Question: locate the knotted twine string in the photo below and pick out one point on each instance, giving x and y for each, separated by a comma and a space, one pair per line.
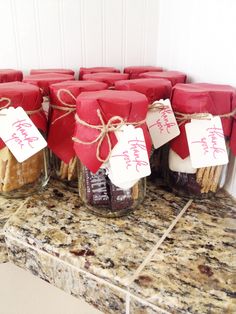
157, 106
182, 117
67, 107
29, 112
104, 129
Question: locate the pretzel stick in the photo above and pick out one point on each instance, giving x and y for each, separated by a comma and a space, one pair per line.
199, 175
210, 178
205, 179
72, 169
216, 178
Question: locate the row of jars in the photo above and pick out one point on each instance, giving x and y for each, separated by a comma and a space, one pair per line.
76, 163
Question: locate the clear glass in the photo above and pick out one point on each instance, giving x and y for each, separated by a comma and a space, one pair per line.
18, 180
193, 183
66, 173
105, 199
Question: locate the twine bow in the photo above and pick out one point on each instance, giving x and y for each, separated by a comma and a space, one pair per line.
104, 129
67, 107
157, 106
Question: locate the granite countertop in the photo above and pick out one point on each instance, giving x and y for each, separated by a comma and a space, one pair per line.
103, 260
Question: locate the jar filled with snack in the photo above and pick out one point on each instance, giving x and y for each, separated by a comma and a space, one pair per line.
61, 128
173, 76
84, 70
155, 90
43, 81
135, 71
9, 75
20, 179
209, 108
108, 78
113, 145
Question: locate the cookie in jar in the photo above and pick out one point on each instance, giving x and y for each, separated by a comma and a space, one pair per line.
20, 179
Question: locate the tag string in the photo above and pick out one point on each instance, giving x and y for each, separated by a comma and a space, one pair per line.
67, 107
29, 112
104, 130
157, 106
182, 117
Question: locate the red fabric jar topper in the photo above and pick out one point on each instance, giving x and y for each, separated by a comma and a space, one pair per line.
201, 98
173, 76
60, 71
153, 89
18, 94
43, 81
108, 78
134, 71
96, 70
10, 75
62, 121
127, 105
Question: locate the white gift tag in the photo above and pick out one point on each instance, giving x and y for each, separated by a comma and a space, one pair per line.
129, 159
206, 143
20, 134
162, 124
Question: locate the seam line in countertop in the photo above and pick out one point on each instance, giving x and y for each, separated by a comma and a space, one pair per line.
130, 280
98, 279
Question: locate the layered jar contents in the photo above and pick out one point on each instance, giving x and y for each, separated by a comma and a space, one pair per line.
19, 179
112, 167
194, 102
61, 128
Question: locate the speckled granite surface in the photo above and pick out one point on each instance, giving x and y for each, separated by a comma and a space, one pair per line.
7, 208
193, 271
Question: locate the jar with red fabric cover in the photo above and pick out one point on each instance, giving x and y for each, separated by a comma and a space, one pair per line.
43, 81
61, 128
190, 101
154, 90
108, 78
92, 70
99, 115
174, 77
46, 71
9, 75
135, 71
20, 179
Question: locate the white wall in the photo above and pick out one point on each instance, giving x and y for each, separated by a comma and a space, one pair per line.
72, 33
199, 37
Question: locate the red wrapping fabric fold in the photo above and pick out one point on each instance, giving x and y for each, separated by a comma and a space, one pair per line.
232, 143
134, 71
129, 105
197, 98
60, 71
108, 78
173, 76
61, 132
26, 96
153, 89
43, 81
83, 71
8, 75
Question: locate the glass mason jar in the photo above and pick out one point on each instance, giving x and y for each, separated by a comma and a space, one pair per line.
186, 181
21, 179
105, 199
66, 173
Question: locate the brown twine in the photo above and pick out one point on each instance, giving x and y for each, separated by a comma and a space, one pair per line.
201, 116
67, 107
29, 112
104, 129
157, 106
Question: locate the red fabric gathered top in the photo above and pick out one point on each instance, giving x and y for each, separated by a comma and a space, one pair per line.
134, 71
60, 71
8, 75
173, 76
130, 106
200, 98
27, 96
108, 78
43, 81
153, 89
96, 70
62, 122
